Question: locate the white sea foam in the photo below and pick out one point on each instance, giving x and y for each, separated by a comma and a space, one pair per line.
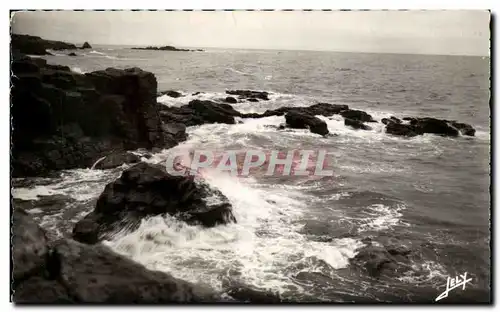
259, 248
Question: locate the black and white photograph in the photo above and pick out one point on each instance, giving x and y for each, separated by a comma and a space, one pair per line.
251, 156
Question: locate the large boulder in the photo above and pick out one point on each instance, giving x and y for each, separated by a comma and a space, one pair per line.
146, 190
465, 129
402, 129
417, 126
299, 120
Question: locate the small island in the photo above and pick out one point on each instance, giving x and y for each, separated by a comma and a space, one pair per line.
166, 48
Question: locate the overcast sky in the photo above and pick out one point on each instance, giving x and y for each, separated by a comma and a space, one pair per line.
428, 32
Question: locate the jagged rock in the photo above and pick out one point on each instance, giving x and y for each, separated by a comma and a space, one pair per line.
356, 124
72, 54
304, 121
176, 131
148, 190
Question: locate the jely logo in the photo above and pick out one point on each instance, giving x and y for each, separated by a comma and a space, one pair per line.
453, 283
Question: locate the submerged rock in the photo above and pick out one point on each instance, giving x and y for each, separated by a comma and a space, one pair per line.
146, 190
379, 261
298, 120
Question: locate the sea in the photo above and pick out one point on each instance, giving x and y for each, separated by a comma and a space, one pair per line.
298, 237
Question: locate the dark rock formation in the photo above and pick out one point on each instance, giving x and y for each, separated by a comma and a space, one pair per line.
33, 45
70, 272
62, 119
321, 109
261, 95
230, 100
165, 48
299, 120
117, 159
175, 132
357, 115
199, 112
171, 93
356, 124
436, 126
395, 119
148, 190
72, 54
86, 45
379, 261
252, 100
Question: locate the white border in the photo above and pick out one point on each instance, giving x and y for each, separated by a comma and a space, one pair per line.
189, 4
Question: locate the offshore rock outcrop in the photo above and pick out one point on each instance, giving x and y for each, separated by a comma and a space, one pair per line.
166, 48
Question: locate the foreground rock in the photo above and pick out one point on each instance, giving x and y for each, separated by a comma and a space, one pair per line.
34, 45
166, 48
146, 190
63, 119
71, 272
298, 120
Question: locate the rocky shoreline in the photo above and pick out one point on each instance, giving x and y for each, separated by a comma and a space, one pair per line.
64, 120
